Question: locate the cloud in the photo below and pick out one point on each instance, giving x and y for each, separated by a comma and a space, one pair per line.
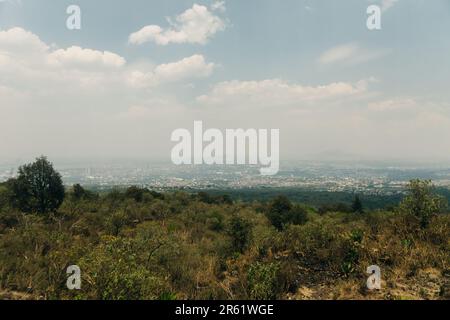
79, 101
219, 6
350, 53
387, 4
21, 42
78, 57
196, 25
275, 92
27, 62
188, 68
391, 105
193, 66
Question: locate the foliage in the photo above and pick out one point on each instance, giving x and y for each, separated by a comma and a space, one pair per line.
38, 188
136, 243
282, 212
357, 205
422, 203
262, 281
240, 232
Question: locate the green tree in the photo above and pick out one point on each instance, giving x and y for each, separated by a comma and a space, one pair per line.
240, 232
37, 188
278, 210
282, 212
78, 192
357, 205
4, 195
422, 202
297, 215
135, 193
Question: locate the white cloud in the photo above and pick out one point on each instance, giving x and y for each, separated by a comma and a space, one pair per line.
391, 105
78, 101
219, 6
21, 42
188, 68
78, 57
27, 62
387, 4
194, 66
339, 53
196, 25
350, 53
275, 92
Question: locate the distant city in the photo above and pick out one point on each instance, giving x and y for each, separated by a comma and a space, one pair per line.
374, 179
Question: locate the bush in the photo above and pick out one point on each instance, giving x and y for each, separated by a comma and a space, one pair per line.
117, 271
216, 221
297, 216
240, 232
135, 193
422, 202
262, 281
116, 222
282, 212
79, 193
338, 207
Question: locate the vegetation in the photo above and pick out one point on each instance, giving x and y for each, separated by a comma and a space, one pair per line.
357, 206
141, 244
38, 188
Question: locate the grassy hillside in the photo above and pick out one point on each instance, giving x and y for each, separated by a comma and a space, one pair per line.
137, 244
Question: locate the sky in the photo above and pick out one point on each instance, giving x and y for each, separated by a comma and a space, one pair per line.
137, 70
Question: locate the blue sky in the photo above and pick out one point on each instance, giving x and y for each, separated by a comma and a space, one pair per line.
309, 68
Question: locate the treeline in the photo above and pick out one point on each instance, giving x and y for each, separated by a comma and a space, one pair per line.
316, 198
141, 244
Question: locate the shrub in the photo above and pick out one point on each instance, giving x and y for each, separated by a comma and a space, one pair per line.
350, 251
422, 202
117, 271
116, 222
282, 212
240, 232
262, 281
135, 193
215, 221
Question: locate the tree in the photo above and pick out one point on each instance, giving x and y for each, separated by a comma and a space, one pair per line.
205, 198
297, 216
240, 232
282, 212
336, 207
422, 202
278, 209
80, 193
4, 195
135, 193
37, 188
357, 206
